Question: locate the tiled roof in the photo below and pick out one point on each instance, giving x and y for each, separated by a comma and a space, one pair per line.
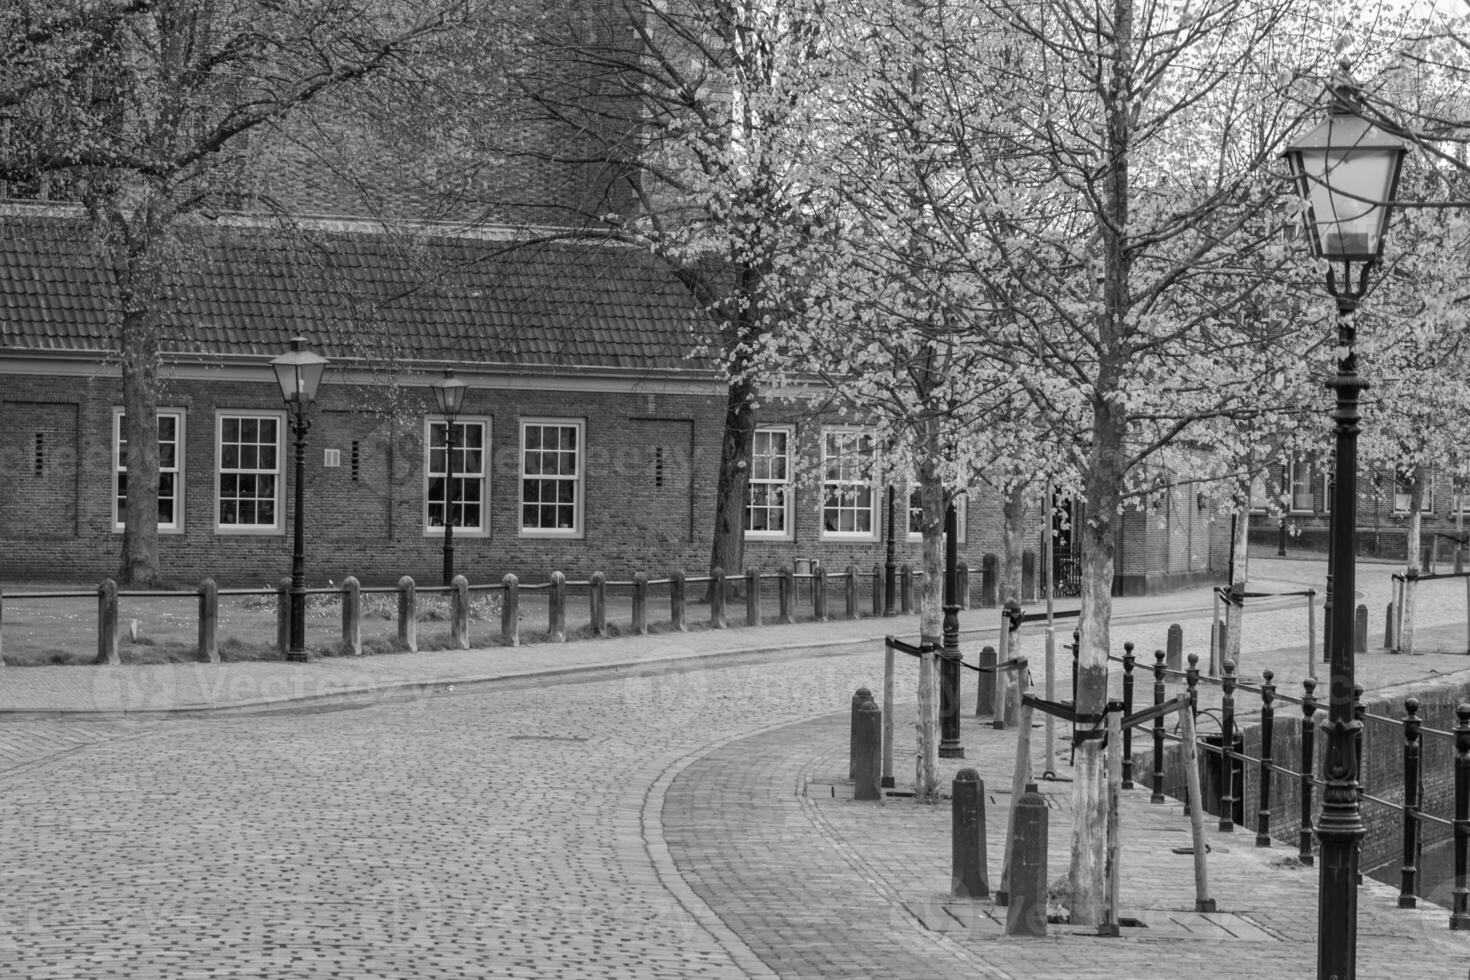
359, 295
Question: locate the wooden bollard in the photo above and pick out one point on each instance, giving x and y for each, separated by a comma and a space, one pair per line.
283, 616
1174, 648
878, 585
850, 591
408, 615
351, 617
752, 596
859, 696
906, 588
869, 739
786, 594
678, 606
459, 612
1389, 640
1026, 898
107, 623
989, 580
597, 603
556, 611
209, 621
985, 694
819, 593
640, 603
717, 598
510, 611
1360, 629
962, 584
968, 873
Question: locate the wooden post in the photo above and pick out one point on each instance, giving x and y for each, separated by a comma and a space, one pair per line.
677, 606
1202, 900
962, 584
351, 617
1002, 679
408, 615
556, 612
1020, 776
850, 591
459, 612
877, 590
597, 603
887, 717
209, 621
786, 594
1110, 925
717, 598
819, 593
510, 611
906, 588
640, 603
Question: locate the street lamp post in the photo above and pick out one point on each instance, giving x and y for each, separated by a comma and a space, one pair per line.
1346, 170
299, 373
449, 394
949, 656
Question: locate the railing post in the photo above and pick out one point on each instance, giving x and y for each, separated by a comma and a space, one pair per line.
408, 615
1191, 683
819, 593
786, 593
351, 617
510, 611
640, 603
1460, 899
283, 616
1159, 668
752, 596
1128, 663
906, 588
1227, 748
209, 621
850, 591
717, 598
678, 608
556, 611
1309, 755
459, 612
1268, 735
107, 623
1409, 878
597, 603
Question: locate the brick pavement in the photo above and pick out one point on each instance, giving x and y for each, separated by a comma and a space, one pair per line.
707, 839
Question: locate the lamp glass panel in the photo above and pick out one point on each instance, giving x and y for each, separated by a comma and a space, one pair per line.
1347, 191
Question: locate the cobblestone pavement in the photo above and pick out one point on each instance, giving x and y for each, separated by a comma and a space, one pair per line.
658, 817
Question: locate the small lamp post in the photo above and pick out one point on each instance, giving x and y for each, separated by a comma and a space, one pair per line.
1346, 170
449, 393
299, 373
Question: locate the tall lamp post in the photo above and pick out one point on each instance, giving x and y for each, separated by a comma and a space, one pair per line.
949, 654
1346, 171
299, 373
449, 393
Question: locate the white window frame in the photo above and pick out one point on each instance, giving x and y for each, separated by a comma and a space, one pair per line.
830, 486
482, 477
578, 479
1299, 485
176, 526
283, 447
784, 486
916, 533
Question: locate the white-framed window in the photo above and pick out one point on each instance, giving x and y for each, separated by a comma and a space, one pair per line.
551, 477
768, 507
916, 515
1402, 497
170, 469
469, 475
1260, 501
849, 499
1299, 485
249, 467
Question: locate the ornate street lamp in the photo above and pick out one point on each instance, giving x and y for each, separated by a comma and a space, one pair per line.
449, 394
299, 373
949, 654
1347, 171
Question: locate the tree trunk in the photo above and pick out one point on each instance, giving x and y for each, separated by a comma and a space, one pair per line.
727, 550
1413, 544
139, 565
931, 618
1239, 576
1013, 512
